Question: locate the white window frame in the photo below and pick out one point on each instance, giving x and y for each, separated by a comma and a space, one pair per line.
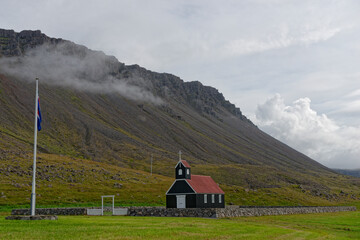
180, 171
187, 171
212, 198
219, 198
205, 198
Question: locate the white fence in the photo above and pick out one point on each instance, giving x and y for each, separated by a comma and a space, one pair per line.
120, 211
95, 212
99, 211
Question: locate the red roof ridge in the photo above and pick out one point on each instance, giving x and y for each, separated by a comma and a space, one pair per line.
185, 163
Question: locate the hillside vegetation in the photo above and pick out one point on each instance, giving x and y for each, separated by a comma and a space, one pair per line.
102, 120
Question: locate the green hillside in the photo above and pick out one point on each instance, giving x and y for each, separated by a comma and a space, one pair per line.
69, 181
96, 140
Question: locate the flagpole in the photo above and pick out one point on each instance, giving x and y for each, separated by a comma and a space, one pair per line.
33, 195
151, 165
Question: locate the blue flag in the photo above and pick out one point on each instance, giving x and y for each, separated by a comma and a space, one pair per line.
39, 116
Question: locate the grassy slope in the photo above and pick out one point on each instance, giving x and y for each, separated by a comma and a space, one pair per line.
92, 136
69, 181
344, 225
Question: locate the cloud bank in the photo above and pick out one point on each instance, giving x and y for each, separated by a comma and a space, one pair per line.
68, 65
321, 138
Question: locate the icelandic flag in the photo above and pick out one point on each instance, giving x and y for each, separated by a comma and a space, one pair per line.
39, 115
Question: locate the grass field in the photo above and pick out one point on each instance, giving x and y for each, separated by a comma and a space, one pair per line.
345, 225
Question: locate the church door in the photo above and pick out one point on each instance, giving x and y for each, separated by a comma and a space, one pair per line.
180, 201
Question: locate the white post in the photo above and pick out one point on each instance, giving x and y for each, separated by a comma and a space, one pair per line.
151, 161
102, 205
113, 210
33, 195
180, 155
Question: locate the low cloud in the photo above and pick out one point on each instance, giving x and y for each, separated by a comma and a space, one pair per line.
321, 138
68, 65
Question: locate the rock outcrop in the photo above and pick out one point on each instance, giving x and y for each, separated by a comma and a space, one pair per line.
15, 44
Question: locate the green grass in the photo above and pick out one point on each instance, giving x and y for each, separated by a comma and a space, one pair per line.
344, 225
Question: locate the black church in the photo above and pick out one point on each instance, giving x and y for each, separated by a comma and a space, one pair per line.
193, 191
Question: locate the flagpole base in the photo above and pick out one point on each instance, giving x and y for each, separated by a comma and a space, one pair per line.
32, 204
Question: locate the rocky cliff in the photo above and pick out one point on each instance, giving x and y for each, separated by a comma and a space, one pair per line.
15, 44
205, 99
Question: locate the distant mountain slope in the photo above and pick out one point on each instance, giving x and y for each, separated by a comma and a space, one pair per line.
350, 172
97, 108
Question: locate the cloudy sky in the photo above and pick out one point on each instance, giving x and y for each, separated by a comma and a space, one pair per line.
291, 66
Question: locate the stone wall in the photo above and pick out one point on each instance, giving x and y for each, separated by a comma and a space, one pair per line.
228, 211
172, 212
231, 211
51, 211
236, 211
58, 211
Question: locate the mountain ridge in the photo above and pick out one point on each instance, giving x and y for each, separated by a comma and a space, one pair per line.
18, 43
203, 99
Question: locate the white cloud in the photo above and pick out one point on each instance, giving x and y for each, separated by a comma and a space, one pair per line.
282, 39
307, 131
355, 93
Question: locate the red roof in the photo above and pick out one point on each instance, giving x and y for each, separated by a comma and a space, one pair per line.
185, 163
204, 184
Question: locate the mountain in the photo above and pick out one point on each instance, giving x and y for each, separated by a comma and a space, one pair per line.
350, 172
98, 109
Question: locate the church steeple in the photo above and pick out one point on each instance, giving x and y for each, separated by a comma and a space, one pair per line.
182, 169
